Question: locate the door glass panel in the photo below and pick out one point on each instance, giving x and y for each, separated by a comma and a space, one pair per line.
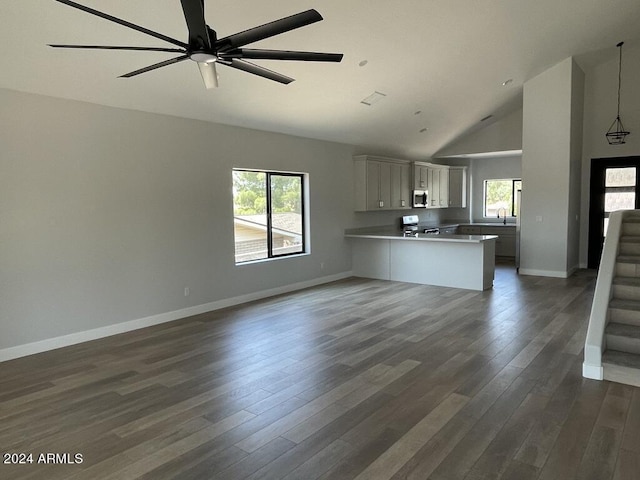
620, 177
619, 201
619, 191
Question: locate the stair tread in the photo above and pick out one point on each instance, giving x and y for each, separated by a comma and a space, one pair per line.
622, 330
628, 259
621, 304
630, 281
623, 359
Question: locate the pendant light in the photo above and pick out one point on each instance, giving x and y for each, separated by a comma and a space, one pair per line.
616, 133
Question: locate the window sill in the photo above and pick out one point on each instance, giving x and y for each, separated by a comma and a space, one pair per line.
265, 260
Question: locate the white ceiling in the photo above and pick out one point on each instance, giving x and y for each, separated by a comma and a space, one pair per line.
444, 58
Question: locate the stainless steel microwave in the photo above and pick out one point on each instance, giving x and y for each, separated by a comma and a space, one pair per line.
420, 199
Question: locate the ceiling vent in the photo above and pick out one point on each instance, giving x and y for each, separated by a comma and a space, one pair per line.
375, 97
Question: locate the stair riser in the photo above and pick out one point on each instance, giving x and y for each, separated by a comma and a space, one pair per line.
629, 249
628, 317
619, 374
631, 228
626, 292
623, 344
627, 270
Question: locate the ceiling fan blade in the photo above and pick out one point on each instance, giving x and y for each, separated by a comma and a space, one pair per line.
113, 47
209, 74
198, 31
268, 30
123, 23
282, 55
257, 70
154, 66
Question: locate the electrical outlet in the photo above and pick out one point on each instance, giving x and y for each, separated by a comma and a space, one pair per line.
186, 291
321, 265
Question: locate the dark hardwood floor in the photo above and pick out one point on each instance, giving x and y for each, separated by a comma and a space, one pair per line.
357, 379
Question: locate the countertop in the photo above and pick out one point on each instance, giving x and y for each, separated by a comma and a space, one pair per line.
476, 224
424, 237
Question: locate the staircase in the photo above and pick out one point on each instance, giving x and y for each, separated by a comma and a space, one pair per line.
621, 357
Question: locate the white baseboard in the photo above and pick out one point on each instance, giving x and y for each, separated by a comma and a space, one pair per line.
545, 273
594, 372
109, 330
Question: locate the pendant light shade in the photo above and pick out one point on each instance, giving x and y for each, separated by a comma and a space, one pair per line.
616, 133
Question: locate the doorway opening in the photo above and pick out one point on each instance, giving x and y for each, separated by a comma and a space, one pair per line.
614, 186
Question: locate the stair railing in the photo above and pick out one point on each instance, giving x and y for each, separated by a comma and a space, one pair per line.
594, 343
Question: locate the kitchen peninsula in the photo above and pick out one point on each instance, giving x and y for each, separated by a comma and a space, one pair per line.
449, 260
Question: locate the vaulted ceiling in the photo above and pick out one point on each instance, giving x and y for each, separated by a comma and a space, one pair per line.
440, 63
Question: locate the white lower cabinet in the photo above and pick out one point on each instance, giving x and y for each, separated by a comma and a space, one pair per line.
506, 241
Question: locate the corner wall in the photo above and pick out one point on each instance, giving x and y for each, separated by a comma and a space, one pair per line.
549, 173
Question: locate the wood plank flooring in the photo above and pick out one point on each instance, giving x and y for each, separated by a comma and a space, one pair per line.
358, 379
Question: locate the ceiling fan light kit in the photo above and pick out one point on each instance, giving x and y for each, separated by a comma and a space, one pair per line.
617, 133
207, 50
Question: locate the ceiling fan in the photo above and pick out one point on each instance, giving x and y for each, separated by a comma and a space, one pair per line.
206, 49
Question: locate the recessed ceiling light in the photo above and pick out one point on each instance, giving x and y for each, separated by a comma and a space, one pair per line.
363, 63
375, 97
422, 130
507, 82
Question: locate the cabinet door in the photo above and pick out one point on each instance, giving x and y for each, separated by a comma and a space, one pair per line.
444, 187
433, 195
373, 185
420, 177
405, 186
457, 187
400, 186
378, 185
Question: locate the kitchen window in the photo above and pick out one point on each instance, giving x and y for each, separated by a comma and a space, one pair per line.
500, 197
268, 214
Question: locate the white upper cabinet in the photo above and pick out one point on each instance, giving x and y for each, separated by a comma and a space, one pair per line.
381, 183
400, 183
435, 180
458, 187
420, 177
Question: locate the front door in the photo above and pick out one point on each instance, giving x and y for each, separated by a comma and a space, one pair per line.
614, 183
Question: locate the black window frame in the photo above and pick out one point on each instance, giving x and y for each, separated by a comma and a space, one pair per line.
513, 194
269, 213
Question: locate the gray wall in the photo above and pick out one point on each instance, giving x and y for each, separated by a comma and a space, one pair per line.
501, 135
487, 169
601, 84
106, 215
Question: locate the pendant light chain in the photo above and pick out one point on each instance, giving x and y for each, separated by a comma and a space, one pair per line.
616, 133
619, 75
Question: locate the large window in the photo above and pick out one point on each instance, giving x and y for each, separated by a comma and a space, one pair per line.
500, 197
268, 214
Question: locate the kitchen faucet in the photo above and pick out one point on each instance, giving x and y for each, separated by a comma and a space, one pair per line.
504, 216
